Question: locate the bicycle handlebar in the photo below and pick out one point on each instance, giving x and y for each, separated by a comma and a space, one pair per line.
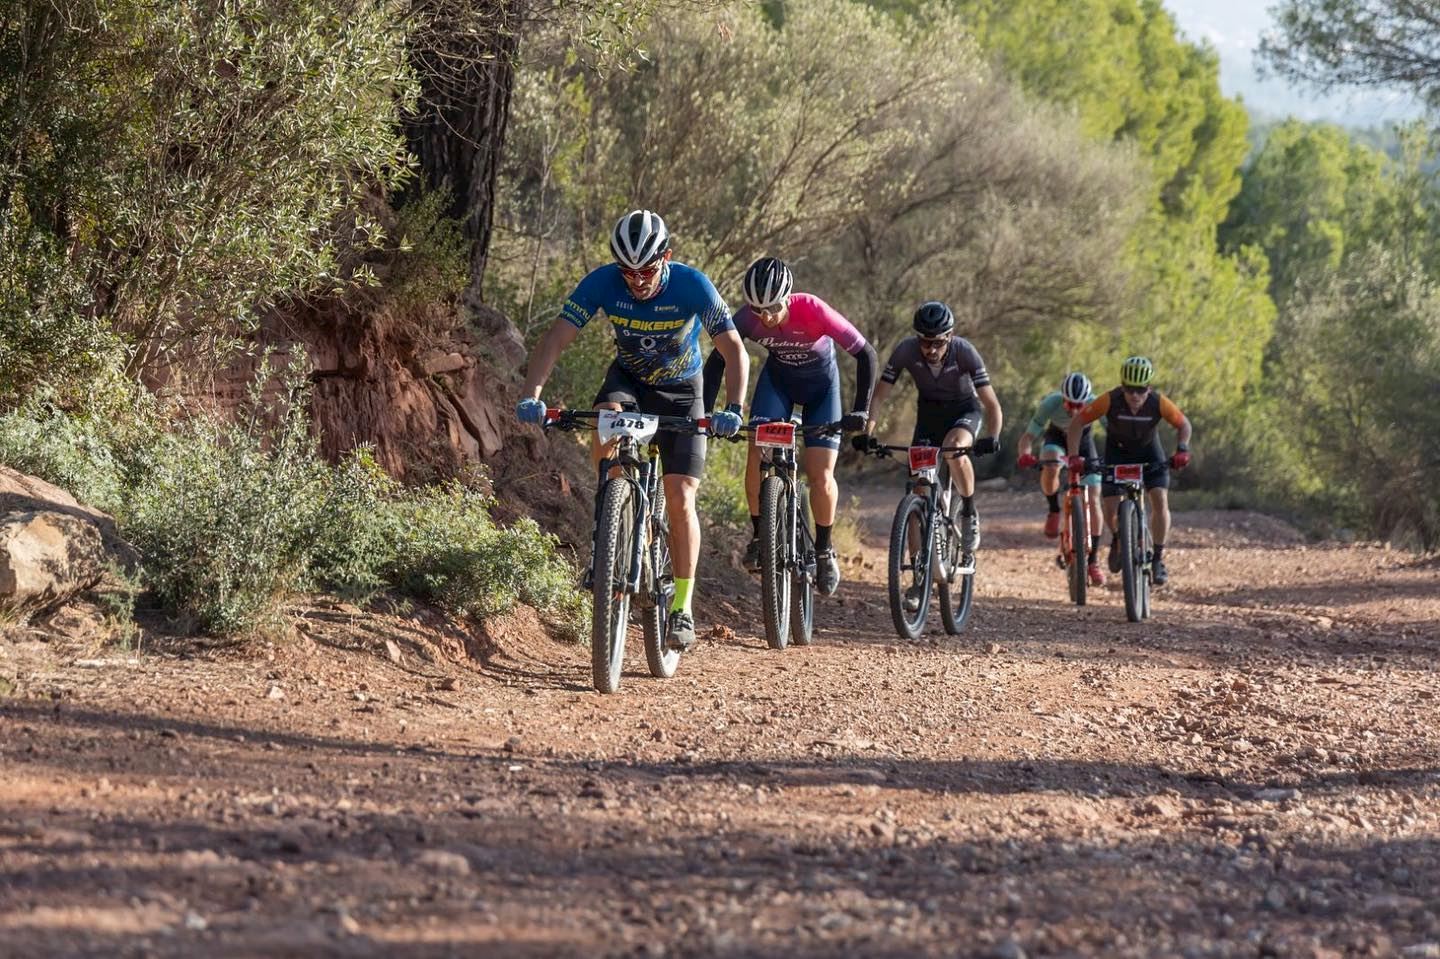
883, 450
584, 419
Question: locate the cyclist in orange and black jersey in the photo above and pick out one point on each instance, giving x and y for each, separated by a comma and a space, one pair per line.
1133, 412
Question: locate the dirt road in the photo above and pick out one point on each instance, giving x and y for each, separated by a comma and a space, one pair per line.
1255, 772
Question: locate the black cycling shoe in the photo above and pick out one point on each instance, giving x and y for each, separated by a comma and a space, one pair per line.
827, 572
1113, 560
1159, 575
752, 555
681, 635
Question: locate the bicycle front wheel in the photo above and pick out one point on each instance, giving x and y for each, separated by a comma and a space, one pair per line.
774, 560
614, 543
1079, 553
957, 581
656, 620
911, 576
1132, 559
802, 592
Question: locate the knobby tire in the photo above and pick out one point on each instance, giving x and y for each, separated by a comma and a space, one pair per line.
774, 568
908, 625
611, 600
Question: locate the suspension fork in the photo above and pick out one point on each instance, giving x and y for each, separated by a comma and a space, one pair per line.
643, 489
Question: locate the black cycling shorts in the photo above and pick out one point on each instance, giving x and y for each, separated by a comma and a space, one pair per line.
1157, 467
934, 420
680, 453
1055, 436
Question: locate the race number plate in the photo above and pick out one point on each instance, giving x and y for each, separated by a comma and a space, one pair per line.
616, 423
775, 434
924, 458
1131, 473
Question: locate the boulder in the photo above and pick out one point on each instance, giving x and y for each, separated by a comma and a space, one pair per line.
46, 557
51, 546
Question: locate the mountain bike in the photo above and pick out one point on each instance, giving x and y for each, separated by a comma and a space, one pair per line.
1074, 534
787, 534
630, 554
925, 545
1132, 528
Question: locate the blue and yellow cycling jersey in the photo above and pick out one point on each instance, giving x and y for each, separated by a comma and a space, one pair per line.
657, 341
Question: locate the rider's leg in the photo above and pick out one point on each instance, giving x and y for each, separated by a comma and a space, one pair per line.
752, 486
1159, 516
599, 452
1050, 486
819, 464
680, 493
1095, 517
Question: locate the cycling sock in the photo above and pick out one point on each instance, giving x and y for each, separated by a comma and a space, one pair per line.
822, 538
755, 524
1094, 547
1054, 500
682, 595
1159, 551
967, 506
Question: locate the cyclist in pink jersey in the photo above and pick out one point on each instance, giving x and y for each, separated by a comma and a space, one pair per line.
799, 332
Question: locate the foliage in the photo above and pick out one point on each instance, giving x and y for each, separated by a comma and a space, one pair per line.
192, 160
1329, 43
886, 185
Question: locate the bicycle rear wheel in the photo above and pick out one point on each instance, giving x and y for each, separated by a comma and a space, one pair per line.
656, 620
613, 546
1131, 559
1079, 552
910, 567
802, 591
774, 560
957, 580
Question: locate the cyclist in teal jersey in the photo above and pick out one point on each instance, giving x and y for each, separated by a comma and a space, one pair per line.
1051, 420
657, 309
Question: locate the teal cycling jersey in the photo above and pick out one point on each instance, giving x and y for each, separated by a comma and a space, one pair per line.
1052, 410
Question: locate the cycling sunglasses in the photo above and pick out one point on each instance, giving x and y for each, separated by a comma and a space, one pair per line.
933, 342
1136, 390
644, 273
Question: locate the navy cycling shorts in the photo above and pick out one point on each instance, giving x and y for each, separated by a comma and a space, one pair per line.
777, 394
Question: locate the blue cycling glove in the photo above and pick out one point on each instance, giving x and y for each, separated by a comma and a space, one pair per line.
530, 411
727, 421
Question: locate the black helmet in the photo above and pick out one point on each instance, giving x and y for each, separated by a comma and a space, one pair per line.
934, 319
767, 283
639, 239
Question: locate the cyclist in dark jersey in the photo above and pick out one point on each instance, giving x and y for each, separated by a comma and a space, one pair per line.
800, 332
657, 309
1132, 413
955, 396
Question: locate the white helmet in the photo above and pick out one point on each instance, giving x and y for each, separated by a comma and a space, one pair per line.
1075, 388
639, 239
767, 283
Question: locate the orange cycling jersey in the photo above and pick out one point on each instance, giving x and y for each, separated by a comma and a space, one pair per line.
1132, 430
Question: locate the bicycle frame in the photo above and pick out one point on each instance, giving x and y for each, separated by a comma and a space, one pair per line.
776, 444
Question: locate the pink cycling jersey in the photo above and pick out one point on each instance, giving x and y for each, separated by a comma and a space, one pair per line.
805, 342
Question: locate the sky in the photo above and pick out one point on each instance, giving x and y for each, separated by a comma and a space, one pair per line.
1234, 27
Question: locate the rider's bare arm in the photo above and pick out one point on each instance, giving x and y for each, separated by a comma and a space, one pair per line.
737, 366
994, 416
542, 360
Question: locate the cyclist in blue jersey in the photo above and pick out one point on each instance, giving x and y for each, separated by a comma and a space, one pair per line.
657, 309
800, 332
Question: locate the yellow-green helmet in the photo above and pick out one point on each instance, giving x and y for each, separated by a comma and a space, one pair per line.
1136, 371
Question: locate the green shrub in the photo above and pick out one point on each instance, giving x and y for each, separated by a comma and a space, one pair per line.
72, 452
226, 517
